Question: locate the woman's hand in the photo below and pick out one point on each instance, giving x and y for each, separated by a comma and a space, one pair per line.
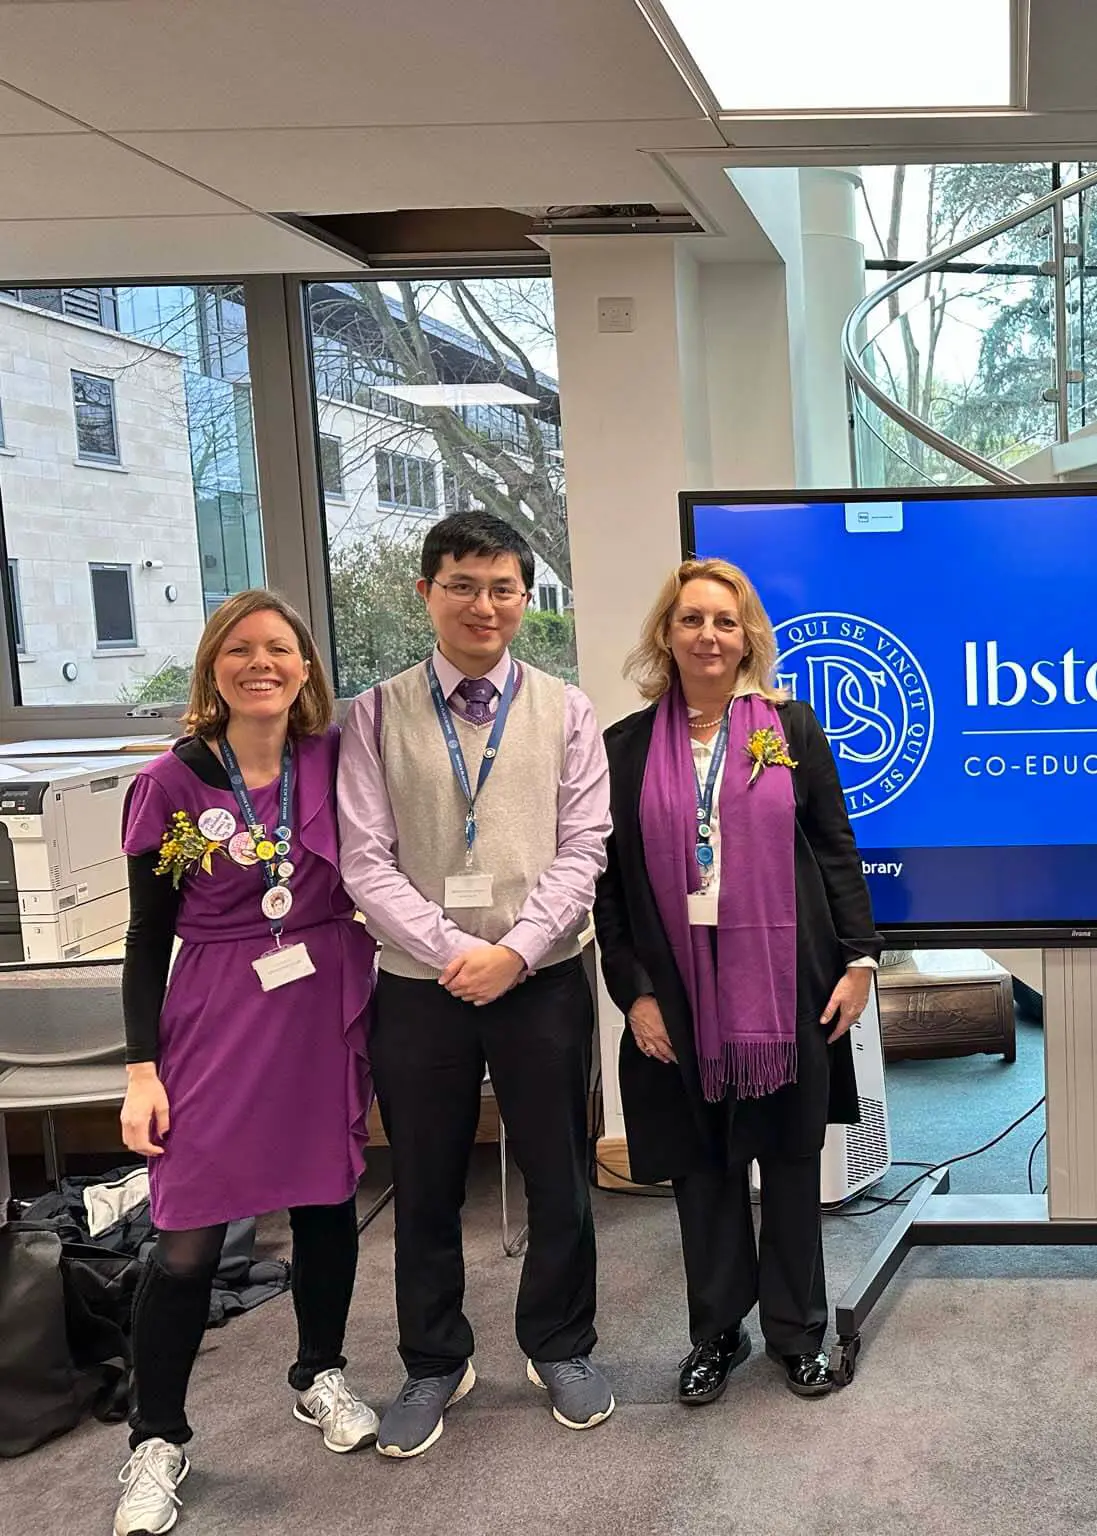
145, 1111
649, 1031
848, 1000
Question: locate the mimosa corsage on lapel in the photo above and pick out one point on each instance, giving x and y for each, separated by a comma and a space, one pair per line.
184, 848
766, 750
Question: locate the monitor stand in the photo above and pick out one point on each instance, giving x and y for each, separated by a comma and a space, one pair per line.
1065, 1216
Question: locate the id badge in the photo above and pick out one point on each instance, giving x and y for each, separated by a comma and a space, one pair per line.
468, 891
281, 966
701, 907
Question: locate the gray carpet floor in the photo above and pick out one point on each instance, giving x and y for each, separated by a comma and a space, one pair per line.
972, 1411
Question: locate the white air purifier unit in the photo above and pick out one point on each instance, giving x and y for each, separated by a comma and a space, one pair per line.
855, 1157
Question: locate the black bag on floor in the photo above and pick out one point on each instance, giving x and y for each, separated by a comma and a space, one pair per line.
64, 1348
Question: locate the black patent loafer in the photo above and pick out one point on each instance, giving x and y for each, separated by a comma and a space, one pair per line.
703, 1374
806, 1375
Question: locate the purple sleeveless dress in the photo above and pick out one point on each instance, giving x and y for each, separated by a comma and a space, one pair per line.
269, 1091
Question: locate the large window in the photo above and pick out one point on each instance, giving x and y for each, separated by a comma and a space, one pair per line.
443, 397
970, 348
96, 426
112, 600
130, 494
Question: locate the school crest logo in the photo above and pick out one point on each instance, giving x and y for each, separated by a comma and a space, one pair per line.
871, 696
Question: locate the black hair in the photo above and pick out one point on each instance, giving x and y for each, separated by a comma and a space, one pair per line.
474, 533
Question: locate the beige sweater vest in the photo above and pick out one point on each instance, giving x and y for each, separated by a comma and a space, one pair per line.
515, 812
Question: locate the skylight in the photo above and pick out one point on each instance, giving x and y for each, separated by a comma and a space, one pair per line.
849, 55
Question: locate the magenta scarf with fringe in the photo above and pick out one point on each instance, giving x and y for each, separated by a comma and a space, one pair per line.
744, 1001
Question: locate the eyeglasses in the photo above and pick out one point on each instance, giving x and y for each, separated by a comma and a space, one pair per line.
504, 594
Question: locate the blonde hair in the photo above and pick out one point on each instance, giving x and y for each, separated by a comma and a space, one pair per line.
207, 714
650, 664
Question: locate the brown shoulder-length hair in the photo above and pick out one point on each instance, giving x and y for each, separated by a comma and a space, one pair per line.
650, 664
207, 713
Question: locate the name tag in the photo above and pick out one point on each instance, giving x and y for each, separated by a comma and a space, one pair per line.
281, 966
468, 891
701, 906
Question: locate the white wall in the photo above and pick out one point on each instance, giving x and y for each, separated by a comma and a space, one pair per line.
698, 396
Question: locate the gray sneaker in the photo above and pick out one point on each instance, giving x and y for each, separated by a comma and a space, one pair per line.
578, 1391
150, 1504
414, 1421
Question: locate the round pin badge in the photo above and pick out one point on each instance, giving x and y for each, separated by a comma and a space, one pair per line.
285, 870
489, 753
265, 850
242, 850
217, 824
281, 833
704, 830
277, 902
281, 847
705, 855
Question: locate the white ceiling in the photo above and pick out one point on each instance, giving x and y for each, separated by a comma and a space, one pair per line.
153, 137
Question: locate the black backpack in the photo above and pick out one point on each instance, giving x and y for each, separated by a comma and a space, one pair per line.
64, 1331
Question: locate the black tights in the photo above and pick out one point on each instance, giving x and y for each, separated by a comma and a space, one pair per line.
171, 1307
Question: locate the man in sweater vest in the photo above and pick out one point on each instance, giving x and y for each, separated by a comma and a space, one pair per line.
474, 809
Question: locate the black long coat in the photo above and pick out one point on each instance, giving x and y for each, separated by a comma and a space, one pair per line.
669, 1127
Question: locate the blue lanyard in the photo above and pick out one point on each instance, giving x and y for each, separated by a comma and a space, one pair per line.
247, 809
457, 757
705, 795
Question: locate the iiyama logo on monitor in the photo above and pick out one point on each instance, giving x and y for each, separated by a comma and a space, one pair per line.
872, 698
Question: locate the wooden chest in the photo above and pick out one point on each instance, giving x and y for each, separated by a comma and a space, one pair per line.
946, 1002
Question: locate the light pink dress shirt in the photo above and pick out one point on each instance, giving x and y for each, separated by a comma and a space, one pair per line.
395, 910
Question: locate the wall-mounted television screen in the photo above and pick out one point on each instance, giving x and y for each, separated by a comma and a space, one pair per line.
947, 641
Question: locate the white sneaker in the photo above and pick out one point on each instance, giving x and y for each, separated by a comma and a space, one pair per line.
345, 1420
150, 1504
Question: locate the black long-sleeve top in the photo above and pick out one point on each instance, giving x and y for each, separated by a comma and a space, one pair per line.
154, 908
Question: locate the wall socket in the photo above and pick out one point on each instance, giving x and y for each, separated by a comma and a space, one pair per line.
616, 315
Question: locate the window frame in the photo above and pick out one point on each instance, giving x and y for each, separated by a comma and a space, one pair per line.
82, 455
294, 531
18, 627
113, 645
408, 463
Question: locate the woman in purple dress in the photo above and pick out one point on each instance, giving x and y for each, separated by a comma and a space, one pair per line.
248, 1078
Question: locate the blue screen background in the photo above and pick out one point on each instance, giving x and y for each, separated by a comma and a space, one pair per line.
1018, 572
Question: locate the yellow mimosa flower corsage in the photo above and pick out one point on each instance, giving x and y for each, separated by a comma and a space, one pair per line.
766, 750
183, 848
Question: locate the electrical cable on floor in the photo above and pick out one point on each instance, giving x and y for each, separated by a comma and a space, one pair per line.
1031, 1157
897, 1198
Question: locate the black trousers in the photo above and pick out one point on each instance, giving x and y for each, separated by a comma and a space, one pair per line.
171, 1306
726, 1274
428, 1050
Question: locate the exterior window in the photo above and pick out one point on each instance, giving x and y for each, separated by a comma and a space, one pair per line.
112, 598
16, 605
548, 598
408, 483
331, 465
96, 428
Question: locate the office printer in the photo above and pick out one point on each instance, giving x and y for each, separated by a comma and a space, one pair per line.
63, 889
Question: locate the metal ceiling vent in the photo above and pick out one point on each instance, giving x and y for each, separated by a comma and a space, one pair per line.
615, 219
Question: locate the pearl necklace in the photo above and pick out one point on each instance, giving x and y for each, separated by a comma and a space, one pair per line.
708, 725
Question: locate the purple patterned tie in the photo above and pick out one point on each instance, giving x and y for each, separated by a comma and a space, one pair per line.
476, 694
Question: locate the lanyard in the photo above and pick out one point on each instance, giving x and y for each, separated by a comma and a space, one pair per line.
457, 757
703, 851
272, 865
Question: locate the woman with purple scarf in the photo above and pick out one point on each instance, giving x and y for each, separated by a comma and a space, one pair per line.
737, 938
248, 1082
